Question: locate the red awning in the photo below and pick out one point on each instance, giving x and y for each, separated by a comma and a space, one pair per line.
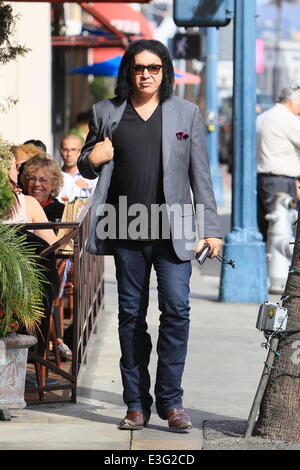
126, 20
77, 1
123, 22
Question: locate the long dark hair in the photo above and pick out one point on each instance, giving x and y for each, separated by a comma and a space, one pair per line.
124, 83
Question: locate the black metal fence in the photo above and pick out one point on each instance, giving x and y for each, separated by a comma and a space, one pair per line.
87, 301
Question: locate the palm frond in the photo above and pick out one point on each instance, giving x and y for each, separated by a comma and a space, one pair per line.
21, 280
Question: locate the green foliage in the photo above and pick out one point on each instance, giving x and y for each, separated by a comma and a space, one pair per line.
7, 103
102, 87
6, 195
8, 51
5, 155
21, 283
21, 280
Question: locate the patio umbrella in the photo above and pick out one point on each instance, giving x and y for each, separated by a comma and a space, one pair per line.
186, 78
110, 67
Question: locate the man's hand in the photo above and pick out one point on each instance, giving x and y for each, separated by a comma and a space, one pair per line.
81, 183
102, 152
214, 243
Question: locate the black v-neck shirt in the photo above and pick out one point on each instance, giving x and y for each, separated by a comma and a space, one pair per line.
138, 172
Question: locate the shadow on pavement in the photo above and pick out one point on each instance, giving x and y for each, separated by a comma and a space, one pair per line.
89, 412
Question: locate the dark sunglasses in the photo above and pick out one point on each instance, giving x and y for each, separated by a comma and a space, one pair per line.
153, 69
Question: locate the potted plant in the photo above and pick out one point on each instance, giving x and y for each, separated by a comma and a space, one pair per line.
21, 288
20, 278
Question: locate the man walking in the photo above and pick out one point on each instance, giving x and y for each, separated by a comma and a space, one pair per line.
278, 151
148, 147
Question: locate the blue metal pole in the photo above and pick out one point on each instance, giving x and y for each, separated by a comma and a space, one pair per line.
248, 282
212, 126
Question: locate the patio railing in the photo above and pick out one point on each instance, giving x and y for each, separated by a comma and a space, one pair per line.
88, 299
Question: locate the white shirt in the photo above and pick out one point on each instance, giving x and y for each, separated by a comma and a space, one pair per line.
278, 142
71, 190
67, 192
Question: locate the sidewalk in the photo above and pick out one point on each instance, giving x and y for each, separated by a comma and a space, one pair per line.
223, 368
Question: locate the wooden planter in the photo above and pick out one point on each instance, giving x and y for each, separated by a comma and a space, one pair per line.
13, 362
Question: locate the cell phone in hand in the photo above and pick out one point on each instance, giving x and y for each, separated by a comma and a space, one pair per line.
203, 254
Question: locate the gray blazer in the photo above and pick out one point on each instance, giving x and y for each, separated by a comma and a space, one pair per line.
186, 173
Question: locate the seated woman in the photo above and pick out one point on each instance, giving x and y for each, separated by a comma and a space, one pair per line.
26, 209
42, 178
25, 152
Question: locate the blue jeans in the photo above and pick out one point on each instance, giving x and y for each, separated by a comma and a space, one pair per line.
134, 260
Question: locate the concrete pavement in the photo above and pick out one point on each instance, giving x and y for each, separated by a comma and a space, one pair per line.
225, 360
223, 369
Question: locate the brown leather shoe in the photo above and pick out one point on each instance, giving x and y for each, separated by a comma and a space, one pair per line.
178, 420
134, 420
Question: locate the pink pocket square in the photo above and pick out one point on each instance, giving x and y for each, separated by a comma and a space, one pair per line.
182, 135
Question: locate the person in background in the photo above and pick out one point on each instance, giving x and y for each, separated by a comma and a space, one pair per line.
26, 209
42, 178
24, 152
34, 147
37, 143
70, 150
278, 152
